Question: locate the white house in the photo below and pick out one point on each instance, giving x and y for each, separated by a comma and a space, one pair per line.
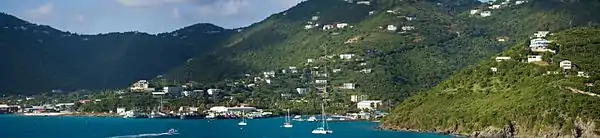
213, 91
407, 28
392, 28
314, 18
141, 85
366, 71
534, 58
308, 27
357, 98
364, 2
223, 109
328, 27
494, 69
474, 11
371, 12
269, 74
310, 60
336, 70
500, 59
301, 90
190, 93
583, 74
320, 81
346, 56
485, 13
268, 81
348, 86
541, 34
566, 64
408, 18
341, 25
539, 42
293, 69
368, 105
519, 2
121, 110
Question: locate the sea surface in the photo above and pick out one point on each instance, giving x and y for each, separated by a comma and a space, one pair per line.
12, 126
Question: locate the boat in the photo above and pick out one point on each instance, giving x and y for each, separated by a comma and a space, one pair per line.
172, 132
312, 119
342, 119
324, 127
329, 119
297, 117
288, 122
243, 123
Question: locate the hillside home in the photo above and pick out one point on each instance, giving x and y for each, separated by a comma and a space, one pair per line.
336, 70
407, 28
494, 69
346, 56
308, 27
474, 11
368, 105
534, 58
566, 64
371, 12
293, 69
365, 71
504, 3
519, 2
541, 34
121, 110
341, 25
257, 78
141, 85
314, 18
302, 90
269, 74
364, 2
213, 91
251, 85
328, 27
357, 98
320, 81
485, 13
392, 28
539, 43
583, 74
348, 86
497, 6
268, 81
500, 59
310, 60
190, 93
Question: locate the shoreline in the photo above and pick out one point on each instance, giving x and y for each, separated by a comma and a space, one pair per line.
447, 133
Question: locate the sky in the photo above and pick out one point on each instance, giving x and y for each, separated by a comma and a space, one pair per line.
151, 16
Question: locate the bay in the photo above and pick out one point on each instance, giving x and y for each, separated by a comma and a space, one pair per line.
12, 126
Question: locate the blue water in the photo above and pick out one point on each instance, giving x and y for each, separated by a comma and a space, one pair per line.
84, 127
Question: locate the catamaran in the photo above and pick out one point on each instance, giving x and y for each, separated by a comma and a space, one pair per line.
324, 129
243, 123
288, 122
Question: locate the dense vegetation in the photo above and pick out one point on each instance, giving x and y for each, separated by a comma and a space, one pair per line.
39, 58
519, 95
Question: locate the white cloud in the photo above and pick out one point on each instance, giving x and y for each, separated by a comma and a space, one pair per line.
42, 10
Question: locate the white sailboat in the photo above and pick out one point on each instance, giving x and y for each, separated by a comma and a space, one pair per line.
288, 122
324, 129
243, 123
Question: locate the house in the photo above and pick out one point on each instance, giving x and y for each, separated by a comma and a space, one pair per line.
539, 43
363, 64
213, 91
328, 27
158, 94
408, 18
29, 98
141, 86
269, 74
407, 28
222, 109
251, 85
190, 93
474, 11
121, 110
268, 81
519, 2
500, 59
173, 90
286, 95
534, 58
371, 12
541, 34
583, 74
364, 2
308, 27
365, 71
336, 70
310, 60
320, 81
485, 13
302, 91
494, 69
293, 69
497, 6
348, 86
314, 18
357, 98
368, 105
565, 64
341, 25
346, 56
392, 28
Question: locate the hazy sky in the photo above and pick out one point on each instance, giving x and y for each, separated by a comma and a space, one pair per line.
152, 16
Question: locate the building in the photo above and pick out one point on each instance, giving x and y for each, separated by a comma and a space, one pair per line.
190, 93
6, 109
500, 59
407, 28
539, 42
269, 74
364, 2
302, 91
583, 74
497, 6
348, 86
346, 56
336, 70
141, 86
308, 27
392, 28
519, 2
366, 70
172, 90
310, 60
314, 18
566, 64
534, 58
368, 105
408, 18
223, 109
474, 11
293, 69
213, 91
494, 69
341, 25
356, 98
485, 13
371, 12
121, 110
320, 81
541, 34
327, 27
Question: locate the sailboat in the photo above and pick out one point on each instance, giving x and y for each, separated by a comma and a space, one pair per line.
324, 129
243, 123
288, 122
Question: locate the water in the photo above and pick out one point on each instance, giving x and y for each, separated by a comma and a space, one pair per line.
85, 127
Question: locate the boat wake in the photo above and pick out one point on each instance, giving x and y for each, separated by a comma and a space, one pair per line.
144, 135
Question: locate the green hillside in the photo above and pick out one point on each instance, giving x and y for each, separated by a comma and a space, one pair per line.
520, 99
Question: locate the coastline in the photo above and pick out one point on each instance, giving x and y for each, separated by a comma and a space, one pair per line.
382, 126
